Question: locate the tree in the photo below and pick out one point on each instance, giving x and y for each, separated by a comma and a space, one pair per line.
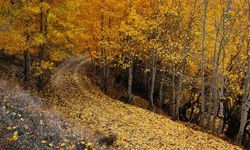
246, 98
40, 28
133, 35
203, 103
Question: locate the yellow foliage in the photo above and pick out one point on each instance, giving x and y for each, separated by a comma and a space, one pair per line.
12, 42
14, 137
40, 67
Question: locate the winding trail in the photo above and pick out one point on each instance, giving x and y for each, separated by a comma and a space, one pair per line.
76, 63
76, 98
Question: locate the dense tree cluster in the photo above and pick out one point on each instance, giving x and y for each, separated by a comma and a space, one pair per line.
187, 46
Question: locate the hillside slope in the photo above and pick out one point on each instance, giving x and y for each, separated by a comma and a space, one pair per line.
27, 124
73, 94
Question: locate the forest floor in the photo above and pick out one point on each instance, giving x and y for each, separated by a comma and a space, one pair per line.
27, 123
125, 126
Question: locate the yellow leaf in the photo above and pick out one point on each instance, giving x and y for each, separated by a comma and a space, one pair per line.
14, 137
82, 142
51, 144
62, 144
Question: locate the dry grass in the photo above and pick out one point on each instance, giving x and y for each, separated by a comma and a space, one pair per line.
26, 124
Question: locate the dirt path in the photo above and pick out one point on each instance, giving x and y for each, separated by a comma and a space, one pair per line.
77, 99
73, 64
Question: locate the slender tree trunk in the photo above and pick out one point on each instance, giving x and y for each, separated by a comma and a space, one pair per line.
105, 69
216, 108
130, 82
160, 95
216, 91
246, 98
153, 75
43, 31
179, 88
105, 78
42, 51
203, 103
209, 109
216, 96
145, 76
26, 68
145, 79
173, 93
179, 97
184, 58
149, 84
152, 87
222, 117
222, 93
217, 61
243, 120
213, 79
246, 103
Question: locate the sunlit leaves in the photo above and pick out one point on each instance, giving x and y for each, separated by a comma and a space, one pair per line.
40, 67
12, 42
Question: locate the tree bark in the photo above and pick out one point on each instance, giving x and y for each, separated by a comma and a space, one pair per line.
152, 87
26, 68
160, 99
177, 104
105, 78
173, 93
149, 79
203, 103
222, 118
222, 93
42, 51
130, 82
245, 105
213, 79
221, 49
145, 78
246, 98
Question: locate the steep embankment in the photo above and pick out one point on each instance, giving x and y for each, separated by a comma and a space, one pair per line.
131, 128
27, 124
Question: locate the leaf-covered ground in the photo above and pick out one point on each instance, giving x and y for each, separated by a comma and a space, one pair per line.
26, 124
127, 126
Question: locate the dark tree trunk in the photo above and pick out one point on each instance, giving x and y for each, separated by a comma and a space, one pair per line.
149, 78
160, 95
130, 82
152, 87
26, 67
173, 93
105, 78
42, 51
178, 99
145, 79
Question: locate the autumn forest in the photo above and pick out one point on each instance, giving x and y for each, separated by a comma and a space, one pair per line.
124, 74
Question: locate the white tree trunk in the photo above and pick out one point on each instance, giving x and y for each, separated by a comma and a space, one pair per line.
203, 103
245, 105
